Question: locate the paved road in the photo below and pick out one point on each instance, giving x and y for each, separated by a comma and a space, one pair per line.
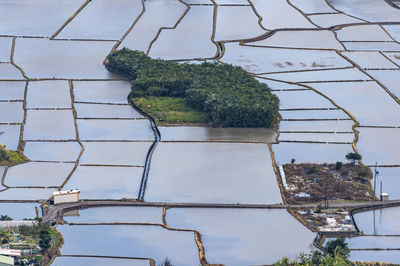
54, 213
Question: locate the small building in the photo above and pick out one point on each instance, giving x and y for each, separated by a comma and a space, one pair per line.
384, 196
6, 261
66, 196
10, 252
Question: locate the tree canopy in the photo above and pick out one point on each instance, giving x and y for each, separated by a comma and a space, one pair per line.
228, 94
353, 157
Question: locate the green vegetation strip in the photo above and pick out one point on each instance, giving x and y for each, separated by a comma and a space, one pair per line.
11, 157
213, 93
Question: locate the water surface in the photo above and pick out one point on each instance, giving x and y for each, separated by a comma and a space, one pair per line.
120, 214
48, 94
38, 174
102, 182
118, 153
182, 133
212, 173
379, 222
49, 125
81, 261
131, 241
235, 237
52, 151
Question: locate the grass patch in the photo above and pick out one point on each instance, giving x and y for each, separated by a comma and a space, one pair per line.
228, 95
170, 110
11, 157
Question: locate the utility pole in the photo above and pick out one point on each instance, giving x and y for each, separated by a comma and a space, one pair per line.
326, 205
376, 164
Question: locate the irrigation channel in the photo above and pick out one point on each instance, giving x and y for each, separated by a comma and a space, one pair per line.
334, 64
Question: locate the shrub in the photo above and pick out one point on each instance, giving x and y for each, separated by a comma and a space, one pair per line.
230, 95
338, 165
353, 157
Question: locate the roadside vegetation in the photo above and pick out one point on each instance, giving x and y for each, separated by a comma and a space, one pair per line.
336, 253
218, 94
36, 242
11, 157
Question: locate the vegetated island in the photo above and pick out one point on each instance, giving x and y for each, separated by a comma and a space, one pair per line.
10, 157
214, 94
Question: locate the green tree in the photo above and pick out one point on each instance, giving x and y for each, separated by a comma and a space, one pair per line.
353, 157
338, 165
5, 218
166, 262
44, 240
338, 247
3, 154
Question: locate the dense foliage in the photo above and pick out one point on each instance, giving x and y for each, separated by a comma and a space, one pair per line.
353, 157
337, 253
229, 95
10, 157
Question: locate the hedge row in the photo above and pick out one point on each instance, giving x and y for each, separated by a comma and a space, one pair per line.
228, 94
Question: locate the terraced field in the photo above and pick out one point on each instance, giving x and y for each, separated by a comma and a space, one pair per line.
334, 64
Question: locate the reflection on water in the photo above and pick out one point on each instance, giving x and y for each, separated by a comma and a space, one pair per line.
379, 222
19, 211
316, 153
389, 176
263, 60
208, 134
392, 256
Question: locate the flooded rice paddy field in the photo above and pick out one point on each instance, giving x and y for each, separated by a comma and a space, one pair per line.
334, 65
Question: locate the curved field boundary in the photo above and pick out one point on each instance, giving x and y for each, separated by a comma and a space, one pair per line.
301, 12
169, 28
157, 139
74, 113
197, 237
341, 12
12, 59
129, 29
